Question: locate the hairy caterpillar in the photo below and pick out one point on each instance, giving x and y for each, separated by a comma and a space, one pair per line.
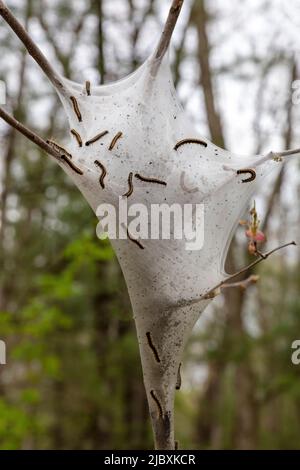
72, 165
104, 173
130, 185
178, 381
190, 141
183, 186
59, 148
160, 410
245, 171
137, 242
77, 137
115, 140
88, 87
152, 347
150, 180
76, 108
97, 137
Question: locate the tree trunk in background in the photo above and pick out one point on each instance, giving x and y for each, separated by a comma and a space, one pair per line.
199, 19
101, 57
10, 151
208, 427
245, 433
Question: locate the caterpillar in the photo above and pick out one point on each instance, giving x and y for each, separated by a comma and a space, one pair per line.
76, 108
178, 381
97, 137
59, 148
152, 347
183, 186
190, 141
72, 165
176, 445
137, 242
88, 87
149, 180
245, 171
130, 185
160, 410
115, 140
77, 137
104, 173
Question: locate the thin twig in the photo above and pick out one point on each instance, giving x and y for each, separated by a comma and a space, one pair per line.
166, 34
31, 47
49, 148
285, 153
61, 150
211, 293
275, 156
29, 134
241, 284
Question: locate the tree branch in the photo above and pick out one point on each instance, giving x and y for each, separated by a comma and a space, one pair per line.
200, 19
29, 134
285, 153
242, 284
167, 33
275, 156
214, 291
31, 47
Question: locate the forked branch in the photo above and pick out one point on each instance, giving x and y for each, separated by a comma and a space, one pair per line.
216, 289
31, 47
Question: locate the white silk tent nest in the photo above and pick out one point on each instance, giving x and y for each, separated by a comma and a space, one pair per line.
164, 273
133, 127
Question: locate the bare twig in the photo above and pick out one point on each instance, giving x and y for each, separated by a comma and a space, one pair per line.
31, 47
214, 291
167, 34
47, 146
29, 134
285, 153
277, 156
243, 284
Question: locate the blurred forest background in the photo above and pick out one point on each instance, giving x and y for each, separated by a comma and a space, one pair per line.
73, 376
